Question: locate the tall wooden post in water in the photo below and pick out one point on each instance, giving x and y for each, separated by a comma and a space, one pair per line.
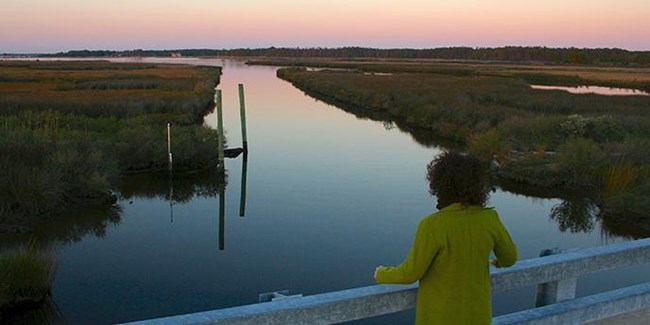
217, 99
242, 113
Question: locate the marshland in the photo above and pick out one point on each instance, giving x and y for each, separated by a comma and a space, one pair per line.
334, 179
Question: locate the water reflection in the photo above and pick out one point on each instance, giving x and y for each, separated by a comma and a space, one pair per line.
244, 172
595, 90
222, 218
421, 136
222, 202
176, 189
180, 189
70, 227
46, 312
576, 215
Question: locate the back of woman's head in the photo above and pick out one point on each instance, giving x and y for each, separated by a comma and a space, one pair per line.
457, 178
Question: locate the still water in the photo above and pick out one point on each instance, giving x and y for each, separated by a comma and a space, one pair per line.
608, 91
329, 196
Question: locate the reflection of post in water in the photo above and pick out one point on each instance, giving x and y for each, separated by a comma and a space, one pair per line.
171, 182
171, 197
230, 153
222, 212
242, 197
222, 200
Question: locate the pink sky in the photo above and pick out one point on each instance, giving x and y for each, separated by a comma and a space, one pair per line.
60, 25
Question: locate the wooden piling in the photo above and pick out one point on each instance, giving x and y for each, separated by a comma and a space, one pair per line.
220, 149
242, 113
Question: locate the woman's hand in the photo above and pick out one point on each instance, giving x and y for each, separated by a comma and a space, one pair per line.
377, 269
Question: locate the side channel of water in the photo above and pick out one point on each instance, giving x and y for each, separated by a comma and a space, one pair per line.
329, 197
608, 91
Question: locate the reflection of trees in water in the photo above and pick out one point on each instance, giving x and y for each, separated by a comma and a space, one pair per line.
72, 227
615, 223
581, 215
577, 215
59, 229
46, 312
422, 136
180, 188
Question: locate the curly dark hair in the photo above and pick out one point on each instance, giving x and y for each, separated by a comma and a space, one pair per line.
458, 178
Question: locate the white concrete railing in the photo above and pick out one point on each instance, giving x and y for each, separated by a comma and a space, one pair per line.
555, 274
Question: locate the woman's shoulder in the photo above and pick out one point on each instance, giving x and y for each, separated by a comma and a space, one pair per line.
452, 213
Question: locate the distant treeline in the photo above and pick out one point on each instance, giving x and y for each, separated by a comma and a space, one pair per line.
603, 56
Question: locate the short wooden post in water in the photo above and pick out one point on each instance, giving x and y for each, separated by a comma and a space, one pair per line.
556, 291
169, 146
242, 113
217, 100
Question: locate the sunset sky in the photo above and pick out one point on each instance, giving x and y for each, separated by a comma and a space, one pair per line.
30, 26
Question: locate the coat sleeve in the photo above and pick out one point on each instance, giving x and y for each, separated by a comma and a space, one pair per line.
416, 263
505, 249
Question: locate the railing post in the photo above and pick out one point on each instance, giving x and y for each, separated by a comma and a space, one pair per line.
552, 292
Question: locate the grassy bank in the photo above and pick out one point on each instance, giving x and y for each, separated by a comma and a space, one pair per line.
546, 138
636, 78
68, 130
26, 276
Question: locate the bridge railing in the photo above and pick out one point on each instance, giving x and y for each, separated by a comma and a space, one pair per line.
555, 276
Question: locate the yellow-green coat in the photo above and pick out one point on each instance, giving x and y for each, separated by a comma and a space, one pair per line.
450, 257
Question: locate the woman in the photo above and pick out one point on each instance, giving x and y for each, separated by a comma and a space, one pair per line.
450, 253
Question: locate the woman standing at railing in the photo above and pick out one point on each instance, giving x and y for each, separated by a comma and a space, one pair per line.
450, 253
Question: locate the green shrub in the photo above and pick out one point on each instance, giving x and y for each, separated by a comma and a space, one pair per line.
604, 128
579, 159
487, 145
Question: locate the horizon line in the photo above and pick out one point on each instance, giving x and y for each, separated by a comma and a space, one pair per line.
329, 48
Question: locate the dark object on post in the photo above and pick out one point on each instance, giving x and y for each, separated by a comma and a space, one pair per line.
232, 152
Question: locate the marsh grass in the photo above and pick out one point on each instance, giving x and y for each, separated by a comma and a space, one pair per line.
487, 145
456, 106
68, 129
27, 274
619, 177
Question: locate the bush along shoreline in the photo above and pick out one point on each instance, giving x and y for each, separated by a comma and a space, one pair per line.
599, 145
69, 131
